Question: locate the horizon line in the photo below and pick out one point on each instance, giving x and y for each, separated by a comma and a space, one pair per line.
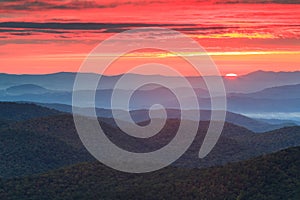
113, 75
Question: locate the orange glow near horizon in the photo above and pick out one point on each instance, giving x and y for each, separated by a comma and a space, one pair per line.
54, 36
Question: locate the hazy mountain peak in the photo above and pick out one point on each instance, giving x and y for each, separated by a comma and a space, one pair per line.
26, 89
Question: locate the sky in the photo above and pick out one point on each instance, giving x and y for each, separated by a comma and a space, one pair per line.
241, 36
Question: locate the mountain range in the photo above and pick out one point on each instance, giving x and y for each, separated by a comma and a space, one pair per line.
64, 81
264, 92
257, 157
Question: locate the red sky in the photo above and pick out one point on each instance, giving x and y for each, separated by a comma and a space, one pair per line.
55, 35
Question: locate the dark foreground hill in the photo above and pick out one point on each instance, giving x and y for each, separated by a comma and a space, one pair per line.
270, 177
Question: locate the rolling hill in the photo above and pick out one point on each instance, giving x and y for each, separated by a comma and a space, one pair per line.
34, 138
25, 153
274, 176
23, 111
236, 143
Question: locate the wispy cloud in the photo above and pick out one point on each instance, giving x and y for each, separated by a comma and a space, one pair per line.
39, 5
257, 1
83, 26
52, 4
67, 4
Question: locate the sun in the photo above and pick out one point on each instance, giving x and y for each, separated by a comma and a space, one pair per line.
231, 75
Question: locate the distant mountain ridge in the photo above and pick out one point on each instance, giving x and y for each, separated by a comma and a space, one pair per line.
64, 80
257, 92
279, 92
277, 99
